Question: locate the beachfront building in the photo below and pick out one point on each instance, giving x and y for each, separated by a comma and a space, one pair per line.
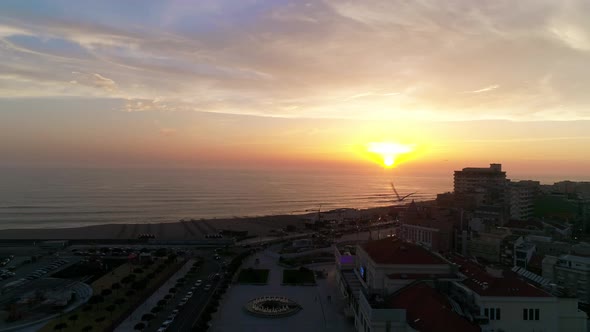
501, 301
477, 187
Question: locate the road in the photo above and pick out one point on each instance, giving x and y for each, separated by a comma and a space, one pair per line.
189, 314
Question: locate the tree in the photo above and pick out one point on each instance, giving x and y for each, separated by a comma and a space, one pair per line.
100, 319
110, 309
116, 286
120, 301
148, 317
139, 326
106, 292
155, 310
87, 328
60, 326
162, 303
96, 299
73, 318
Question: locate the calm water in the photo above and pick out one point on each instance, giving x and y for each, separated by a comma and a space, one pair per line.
64, 198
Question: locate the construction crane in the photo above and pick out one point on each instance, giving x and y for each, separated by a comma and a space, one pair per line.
400, 198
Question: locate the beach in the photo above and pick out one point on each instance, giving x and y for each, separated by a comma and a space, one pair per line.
185, 229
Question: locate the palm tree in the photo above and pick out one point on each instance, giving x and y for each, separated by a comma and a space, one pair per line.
147, 317
73, 318
110, 309
60, 326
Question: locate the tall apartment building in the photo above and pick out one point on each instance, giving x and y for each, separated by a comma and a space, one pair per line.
477, 186
522, 195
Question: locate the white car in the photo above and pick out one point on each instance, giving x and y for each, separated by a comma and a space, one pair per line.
207, 287
167, 322
189, 294
162, 329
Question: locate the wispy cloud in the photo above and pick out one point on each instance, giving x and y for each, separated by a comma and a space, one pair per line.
378, 59
486, 89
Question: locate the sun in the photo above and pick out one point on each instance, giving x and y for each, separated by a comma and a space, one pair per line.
388, 151
388, 161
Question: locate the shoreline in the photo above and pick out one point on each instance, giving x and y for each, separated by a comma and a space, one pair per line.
191, 229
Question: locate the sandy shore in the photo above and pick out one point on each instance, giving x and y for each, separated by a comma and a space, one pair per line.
182, 230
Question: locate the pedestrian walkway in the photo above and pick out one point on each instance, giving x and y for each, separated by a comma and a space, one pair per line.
318, 313
128, 324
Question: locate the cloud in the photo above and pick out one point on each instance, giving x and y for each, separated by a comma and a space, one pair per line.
104, 83
319, 59
486, 89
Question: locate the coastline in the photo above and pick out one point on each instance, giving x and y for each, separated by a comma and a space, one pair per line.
183, 230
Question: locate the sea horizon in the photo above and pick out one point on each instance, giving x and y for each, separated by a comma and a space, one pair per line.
78, 197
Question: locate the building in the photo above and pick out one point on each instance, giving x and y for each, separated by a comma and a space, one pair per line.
390, 264
571, 273
400, 286
417, 307
522, 195
430, 226
382, 280
487, 186
523, 253
501, 301
487, 245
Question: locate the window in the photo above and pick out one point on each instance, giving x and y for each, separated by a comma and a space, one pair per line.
530, 314
492, 313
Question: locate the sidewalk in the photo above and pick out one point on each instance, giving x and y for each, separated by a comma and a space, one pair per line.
145, 307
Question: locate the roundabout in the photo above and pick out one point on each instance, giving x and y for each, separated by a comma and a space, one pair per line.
272, 307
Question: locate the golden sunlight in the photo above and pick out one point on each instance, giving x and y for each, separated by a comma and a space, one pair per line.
388, 151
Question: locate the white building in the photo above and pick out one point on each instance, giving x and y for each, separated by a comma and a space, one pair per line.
571, 273
501, 301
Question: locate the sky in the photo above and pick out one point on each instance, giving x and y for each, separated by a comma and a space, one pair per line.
299, 84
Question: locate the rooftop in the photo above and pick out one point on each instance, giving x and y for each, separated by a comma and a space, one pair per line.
525, 224
427, 310
396, 251
484, 283
421, 276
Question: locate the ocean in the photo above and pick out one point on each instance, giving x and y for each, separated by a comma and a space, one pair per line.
52, 198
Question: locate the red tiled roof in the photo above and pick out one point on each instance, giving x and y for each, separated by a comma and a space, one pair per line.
427, 310
485, 284
396, 251
420, 276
